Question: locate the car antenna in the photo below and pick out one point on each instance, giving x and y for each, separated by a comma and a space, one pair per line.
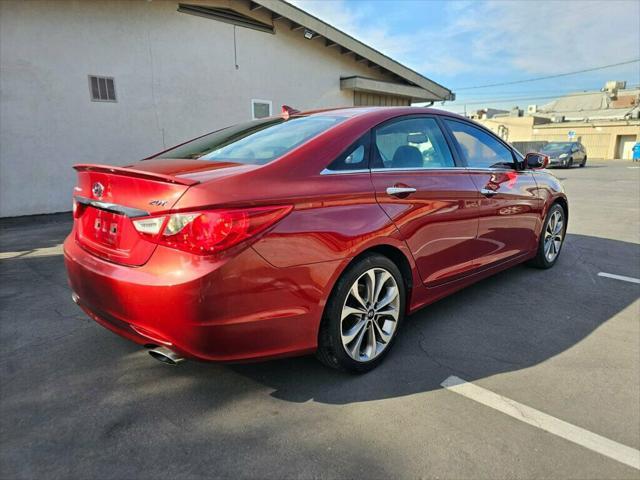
287, 111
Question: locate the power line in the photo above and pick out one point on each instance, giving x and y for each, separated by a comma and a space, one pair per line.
593, 69
533, 92
495, 100
505, 100
510, 98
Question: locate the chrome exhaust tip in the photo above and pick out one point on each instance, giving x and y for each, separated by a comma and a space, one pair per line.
75, 298
165, 355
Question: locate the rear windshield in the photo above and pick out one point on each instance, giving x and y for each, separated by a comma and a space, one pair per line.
257, 142
556, 147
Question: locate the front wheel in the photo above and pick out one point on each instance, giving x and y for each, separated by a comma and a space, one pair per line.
584, 162
552, 238
362, 316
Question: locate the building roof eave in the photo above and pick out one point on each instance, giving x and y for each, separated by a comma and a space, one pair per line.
369, 85
333, 36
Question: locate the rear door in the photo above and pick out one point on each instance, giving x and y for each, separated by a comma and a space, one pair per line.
509, 203
432, 200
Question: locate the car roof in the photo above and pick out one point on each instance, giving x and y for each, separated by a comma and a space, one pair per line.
379, 112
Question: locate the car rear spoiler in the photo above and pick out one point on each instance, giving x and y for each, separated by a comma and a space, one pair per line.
131, 172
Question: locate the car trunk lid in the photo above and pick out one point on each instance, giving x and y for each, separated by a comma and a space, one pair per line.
109, 199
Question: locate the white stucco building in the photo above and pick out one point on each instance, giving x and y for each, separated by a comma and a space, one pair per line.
114, 81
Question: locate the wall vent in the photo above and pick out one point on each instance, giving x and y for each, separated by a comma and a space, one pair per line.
102, 89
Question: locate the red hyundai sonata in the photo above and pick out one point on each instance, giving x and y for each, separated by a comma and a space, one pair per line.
308, 232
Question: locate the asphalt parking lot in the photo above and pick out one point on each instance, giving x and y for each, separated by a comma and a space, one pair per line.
76, 401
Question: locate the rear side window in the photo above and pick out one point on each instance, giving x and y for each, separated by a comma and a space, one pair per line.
258, 142
412, 143
480, 149
356, 157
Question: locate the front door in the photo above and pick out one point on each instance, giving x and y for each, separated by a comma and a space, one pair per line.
432, 201
509, 203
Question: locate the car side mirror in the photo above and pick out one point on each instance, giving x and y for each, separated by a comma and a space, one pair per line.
536, 161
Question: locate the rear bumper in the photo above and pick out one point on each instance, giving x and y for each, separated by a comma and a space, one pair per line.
239, 308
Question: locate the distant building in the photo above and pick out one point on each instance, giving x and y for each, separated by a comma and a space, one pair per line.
111, 82
613, 102
607, 122
487, 113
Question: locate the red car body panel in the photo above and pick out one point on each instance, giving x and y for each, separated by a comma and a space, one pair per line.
508, 221
199, 307
265, 298
439, 222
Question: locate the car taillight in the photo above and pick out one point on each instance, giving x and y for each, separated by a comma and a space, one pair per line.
149, 226
210, 231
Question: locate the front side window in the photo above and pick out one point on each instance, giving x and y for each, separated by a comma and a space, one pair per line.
480, 149
258, 142
412, 143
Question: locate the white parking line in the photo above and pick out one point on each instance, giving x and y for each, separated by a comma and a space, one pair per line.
592, 441
36, 252
619, 277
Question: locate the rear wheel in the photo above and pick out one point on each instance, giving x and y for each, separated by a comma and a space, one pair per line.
552, 238
363, 315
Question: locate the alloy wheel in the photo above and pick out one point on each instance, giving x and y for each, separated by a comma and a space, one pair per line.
553, 235
370, 314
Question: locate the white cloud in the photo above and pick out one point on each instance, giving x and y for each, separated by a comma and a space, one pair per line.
542, 37
526, 37
351, 20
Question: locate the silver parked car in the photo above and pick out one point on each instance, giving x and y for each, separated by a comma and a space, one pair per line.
565, 154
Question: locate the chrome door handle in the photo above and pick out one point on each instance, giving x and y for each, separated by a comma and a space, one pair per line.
400, 190
488, 193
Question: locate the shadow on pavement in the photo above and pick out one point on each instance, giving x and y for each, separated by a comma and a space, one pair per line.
28, 233
68, 385
514, 320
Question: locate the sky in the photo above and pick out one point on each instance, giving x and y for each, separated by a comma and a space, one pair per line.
468, 43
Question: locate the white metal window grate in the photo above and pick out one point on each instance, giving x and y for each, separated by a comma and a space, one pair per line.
260, 108
102, 89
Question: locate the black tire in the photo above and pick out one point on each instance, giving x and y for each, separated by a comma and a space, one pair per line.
570, 163
331, 351
541, 260
584, 162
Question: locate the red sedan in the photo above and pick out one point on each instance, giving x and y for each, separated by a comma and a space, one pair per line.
308, 232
